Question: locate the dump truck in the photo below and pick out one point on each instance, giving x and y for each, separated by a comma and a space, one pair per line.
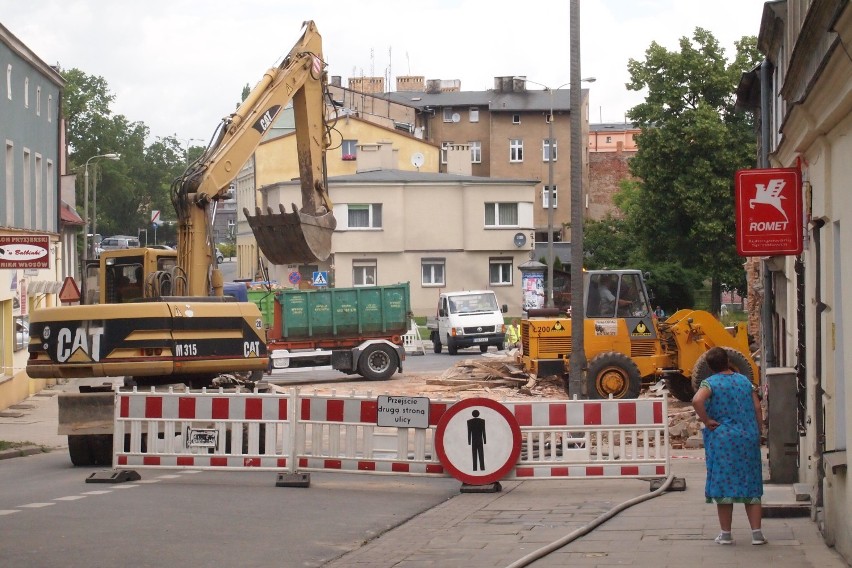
353, 330
627, 348
157, 319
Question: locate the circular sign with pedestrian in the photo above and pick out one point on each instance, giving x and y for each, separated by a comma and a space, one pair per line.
478, 441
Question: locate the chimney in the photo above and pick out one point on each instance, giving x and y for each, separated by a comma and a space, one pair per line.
335, 81
409, 83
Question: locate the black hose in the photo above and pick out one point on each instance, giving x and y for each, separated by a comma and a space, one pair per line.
584, 530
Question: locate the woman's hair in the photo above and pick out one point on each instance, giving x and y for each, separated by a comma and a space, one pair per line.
717, 359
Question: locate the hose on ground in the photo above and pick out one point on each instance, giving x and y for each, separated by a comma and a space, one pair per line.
584, 530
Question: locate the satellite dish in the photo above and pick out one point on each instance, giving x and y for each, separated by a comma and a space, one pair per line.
417, 159
456, 117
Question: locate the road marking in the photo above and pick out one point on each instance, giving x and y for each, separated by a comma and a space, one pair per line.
125, 486
8, 511
168, 476
149, 481
70, 498
36, 505
96, 492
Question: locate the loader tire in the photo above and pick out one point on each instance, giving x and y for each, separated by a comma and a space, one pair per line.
613, 374
737, 360
377, 362
680, 387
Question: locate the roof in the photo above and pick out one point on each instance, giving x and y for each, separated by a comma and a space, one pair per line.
496, 101
404, 176
69, 216
612, 126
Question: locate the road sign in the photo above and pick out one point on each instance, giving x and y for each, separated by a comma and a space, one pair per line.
478, 440
769, 212
69, 291
403, 411
155, 218
320, 279
294, 278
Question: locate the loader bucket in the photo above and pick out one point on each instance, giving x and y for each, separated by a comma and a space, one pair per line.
292, 238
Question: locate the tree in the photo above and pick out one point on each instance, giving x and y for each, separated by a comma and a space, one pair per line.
691, 144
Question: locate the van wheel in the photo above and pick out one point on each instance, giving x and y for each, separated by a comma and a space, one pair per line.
452, 348
613, 374
377, 362
737, 360
436, 342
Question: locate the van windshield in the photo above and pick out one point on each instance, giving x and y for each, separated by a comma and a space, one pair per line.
473, 303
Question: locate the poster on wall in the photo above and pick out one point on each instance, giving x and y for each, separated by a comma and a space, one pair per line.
533, 290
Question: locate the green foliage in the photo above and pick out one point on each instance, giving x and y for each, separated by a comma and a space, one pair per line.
228, 249
692, 142
128, 189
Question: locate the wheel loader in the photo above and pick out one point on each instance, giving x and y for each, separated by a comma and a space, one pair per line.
627, 347
159, 317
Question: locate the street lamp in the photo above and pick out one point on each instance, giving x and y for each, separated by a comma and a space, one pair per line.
186, 150
110, 156
550, 192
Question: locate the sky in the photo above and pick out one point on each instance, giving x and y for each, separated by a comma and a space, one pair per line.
180, 66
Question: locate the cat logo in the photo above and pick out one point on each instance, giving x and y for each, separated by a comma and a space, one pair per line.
641, 329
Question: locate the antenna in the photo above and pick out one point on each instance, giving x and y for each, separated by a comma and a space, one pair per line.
408, 60
372, 63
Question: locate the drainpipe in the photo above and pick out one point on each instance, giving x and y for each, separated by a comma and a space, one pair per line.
763, 162
819, 422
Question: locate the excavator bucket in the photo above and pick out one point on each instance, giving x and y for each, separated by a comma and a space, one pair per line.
292, 238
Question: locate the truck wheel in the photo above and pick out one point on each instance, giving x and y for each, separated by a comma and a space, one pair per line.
436, 342
452, 349
613, 374
702, 370
90, 449
483, 348
377, 362
680, 387
78, 449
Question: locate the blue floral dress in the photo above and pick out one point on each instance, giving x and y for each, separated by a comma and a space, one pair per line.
734, 473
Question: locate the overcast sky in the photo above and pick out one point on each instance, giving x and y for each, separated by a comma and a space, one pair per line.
179, 66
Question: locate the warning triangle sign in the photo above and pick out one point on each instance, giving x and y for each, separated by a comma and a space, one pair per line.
69, 291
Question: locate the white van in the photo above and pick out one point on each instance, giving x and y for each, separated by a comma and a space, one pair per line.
467, 319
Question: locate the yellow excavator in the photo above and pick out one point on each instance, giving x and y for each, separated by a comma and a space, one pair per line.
161, 317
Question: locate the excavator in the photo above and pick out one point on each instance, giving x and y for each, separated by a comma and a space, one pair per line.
159, 317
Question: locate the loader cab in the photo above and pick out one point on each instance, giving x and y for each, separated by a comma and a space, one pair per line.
129, 275
616, 294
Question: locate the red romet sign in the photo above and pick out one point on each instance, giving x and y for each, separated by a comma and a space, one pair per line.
769, 212
24, 252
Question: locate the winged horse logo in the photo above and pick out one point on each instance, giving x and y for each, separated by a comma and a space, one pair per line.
770, 194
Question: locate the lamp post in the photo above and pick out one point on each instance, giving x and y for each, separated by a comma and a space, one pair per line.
86, 245
550, 192
186, 148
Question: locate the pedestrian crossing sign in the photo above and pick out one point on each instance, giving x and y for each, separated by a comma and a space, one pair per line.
321, 278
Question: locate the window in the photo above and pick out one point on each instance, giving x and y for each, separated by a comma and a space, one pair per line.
545, 196
365, 216
49, 108
516, 150
500, 271
475, 152
545, 150
474, 114
22, 331
445, 146
448, 114
349, 149
10, 184
364, 272
609, 139
306, 272
501, 214
9, 82
516, 119
432, 271
38, 101
26, 92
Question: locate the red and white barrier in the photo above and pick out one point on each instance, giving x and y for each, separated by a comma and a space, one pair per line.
296, 432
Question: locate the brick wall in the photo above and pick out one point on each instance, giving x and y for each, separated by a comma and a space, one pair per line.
606, 170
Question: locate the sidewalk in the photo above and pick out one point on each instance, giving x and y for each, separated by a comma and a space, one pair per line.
674, 529
484, 530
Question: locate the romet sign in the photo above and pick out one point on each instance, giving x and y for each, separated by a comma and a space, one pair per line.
769, 212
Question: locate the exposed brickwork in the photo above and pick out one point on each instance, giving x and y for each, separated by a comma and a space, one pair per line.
606, 170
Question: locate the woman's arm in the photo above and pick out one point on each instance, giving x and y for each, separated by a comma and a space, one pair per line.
698, 404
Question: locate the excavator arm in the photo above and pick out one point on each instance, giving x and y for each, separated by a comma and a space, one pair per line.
301, 236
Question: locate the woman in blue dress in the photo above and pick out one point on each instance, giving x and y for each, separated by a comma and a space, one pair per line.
727, 404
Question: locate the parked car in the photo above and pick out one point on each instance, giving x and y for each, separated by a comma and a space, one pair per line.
219, 257
119, 242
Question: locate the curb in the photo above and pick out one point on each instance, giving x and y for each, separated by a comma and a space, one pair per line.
22, 451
